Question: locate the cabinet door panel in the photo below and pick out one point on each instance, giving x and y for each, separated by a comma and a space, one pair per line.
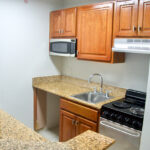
84, 125
69, 22
55, 23
94, 32
144, 18
126, 18
67, 127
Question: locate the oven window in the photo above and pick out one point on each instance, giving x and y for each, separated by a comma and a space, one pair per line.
59, 47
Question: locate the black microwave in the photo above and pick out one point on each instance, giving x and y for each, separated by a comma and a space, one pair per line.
63, 47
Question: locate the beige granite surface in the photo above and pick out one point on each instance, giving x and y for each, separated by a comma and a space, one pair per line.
16, 136
65, 87
90, 140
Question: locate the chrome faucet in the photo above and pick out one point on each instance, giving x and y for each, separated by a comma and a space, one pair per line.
101, 79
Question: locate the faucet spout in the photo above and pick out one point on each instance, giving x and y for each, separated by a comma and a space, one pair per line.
101, 80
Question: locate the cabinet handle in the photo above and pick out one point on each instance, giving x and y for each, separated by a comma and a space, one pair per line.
76, 123
73, 122
134, 28
62, 31
59, 31
139, 28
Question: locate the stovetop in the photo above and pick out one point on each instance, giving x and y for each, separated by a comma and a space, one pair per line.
128, 111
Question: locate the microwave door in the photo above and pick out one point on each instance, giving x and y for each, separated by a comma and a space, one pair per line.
61, 47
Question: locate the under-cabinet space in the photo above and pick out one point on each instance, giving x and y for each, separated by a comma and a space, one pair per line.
46, 114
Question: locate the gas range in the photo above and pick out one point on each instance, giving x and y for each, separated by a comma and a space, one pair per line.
128, 111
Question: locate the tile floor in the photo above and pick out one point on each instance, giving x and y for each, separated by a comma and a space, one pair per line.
50, 134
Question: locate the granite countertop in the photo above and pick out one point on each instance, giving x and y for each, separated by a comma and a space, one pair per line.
65, 86
16, 136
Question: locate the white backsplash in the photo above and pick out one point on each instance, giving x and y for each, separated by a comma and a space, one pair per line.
131, 74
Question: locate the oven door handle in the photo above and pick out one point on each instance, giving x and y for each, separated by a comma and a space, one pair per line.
120, 129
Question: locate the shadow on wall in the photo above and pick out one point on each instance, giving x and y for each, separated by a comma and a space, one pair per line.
74, 3
57, 62
131, 74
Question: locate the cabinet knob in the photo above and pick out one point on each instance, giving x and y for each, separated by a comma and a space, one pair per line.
139, 28
77, 123
62, 31
134, 28
59, 31
73, 122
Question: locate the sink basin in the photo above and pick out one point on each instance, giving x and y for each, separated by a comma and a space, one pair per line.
91, 97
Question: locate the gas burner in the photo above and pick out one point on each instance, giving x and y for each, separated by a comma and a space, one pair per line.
128, 111
137, 111
121, 105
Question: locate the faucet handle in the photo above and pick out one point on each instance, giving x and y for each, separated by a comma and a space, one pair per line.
107, 93
94, 89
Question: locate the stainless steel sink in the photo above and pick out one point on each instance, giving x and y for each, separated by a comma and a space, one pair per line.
91, 97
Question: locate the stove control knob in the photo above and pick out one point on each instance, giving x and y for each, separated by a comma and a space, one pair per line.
127, 120
113, 116
105, 114
119, 118
137, 125
134, 124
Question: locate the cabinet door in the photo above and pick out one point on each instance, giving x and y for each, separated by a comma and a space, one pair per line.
69, 23
126, 15
144, 18
67, 126
94, 31
55, 23
83, 125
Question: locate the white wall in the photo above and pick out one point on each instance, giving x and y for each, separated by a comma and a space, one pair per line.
131, 74
24, 37
71, 3
145, 144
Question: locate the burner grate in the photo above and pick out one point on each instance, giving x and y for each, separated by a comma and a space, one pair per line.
137, 111
121, 105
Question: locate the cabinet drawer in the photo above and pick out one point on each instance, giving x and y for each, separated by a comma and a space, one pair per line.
78, 109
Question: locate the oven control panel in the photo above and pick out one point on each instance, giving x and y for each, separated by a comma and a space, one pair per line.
122, 118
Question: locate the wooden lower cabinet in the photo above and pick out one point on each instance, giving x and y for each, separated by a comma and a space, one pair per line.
67, 125
84, 125
72, 125
73, 120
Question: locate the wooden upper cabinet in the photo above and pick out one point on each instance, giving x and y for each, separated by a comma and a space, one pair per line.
126, 18
132, 18
63, 23
55, 23
94, 31
69, 22
144, 18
